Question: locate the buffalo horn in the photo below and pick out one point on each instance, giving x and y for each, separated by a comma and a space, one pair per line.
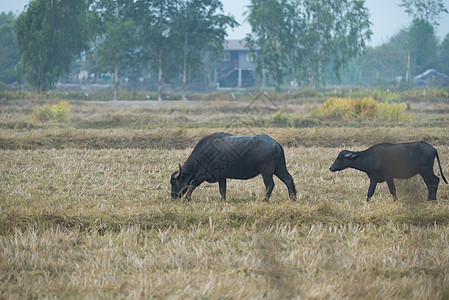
179, 173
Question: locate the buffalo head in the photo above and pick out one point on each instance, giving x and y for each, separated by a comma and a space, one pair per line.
343, 161
179, 183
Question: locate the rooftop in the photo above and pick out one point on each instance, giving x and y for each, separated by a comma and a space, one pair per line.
235, 45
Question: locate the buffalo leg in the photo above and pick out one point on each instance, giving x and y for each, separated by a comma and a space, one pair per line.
269, 185
431, 181
392, 189
286, 178
371, 189
192, 186
222, 188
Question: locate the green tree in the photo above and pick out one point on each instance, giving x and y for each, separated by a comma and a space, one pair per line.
117, 41
198, 27
423, 45
272, 36
8, 48
379, 65
50, 33
444, 55
155, 17
332, 34
427, 10
422, 42
304, 38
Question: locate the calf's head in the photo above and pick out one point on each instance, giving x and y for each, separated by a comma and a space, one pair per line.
179, 183
343, 161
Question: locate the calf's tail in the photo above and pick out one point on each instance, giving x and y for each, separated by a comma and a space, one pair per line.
441, 171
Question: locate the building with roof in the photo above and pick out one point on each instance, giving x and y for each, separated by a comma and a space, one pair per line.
236, 69
432, 77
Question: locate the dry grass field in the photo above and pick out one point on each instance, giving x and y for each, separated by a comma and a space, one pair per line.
86, 213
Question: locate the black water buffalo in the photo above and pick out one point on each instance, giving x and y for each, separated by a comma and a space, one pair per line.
384, 162
220, 156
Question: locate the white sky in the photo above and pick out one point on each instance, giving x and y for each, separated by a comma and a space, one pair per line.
386, 16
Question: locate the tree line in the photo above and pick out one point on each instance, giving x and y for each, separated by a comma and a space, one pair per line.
118, 35
310, 42
410, 52
306, 39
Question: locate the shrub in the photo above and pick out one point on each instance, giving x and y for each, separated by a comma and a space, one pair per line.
391, 113
336, 109
42, 113
59, 112
427, 93
305, 93
393, 98
364, 108
361, 109
281, 120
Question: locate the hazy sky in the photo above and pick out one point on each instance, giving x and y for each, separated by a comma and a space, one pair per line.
386, 16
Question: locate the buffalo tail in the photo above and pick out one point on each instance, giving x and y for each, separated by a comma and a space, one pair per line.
441, 171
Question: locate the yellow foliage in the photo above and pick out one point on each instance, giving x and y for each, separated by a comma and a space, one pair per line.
338, 108
390, 113
59, 112
365, 108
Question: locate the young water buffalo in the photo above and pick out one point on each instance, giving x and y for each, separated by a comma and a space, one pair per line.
220, 156
384, 162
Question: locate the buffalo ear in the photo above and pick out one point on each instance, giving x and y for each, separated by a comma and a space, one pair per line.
180, 171
350, 155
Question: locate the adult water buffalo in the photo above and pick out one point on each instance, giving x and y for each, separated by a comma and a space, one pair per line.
384, 162
220, 156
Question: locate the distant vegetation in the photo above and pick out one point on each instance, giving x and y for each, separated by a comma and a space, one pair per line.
59, 112
129, 39
390, 95
361, 109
